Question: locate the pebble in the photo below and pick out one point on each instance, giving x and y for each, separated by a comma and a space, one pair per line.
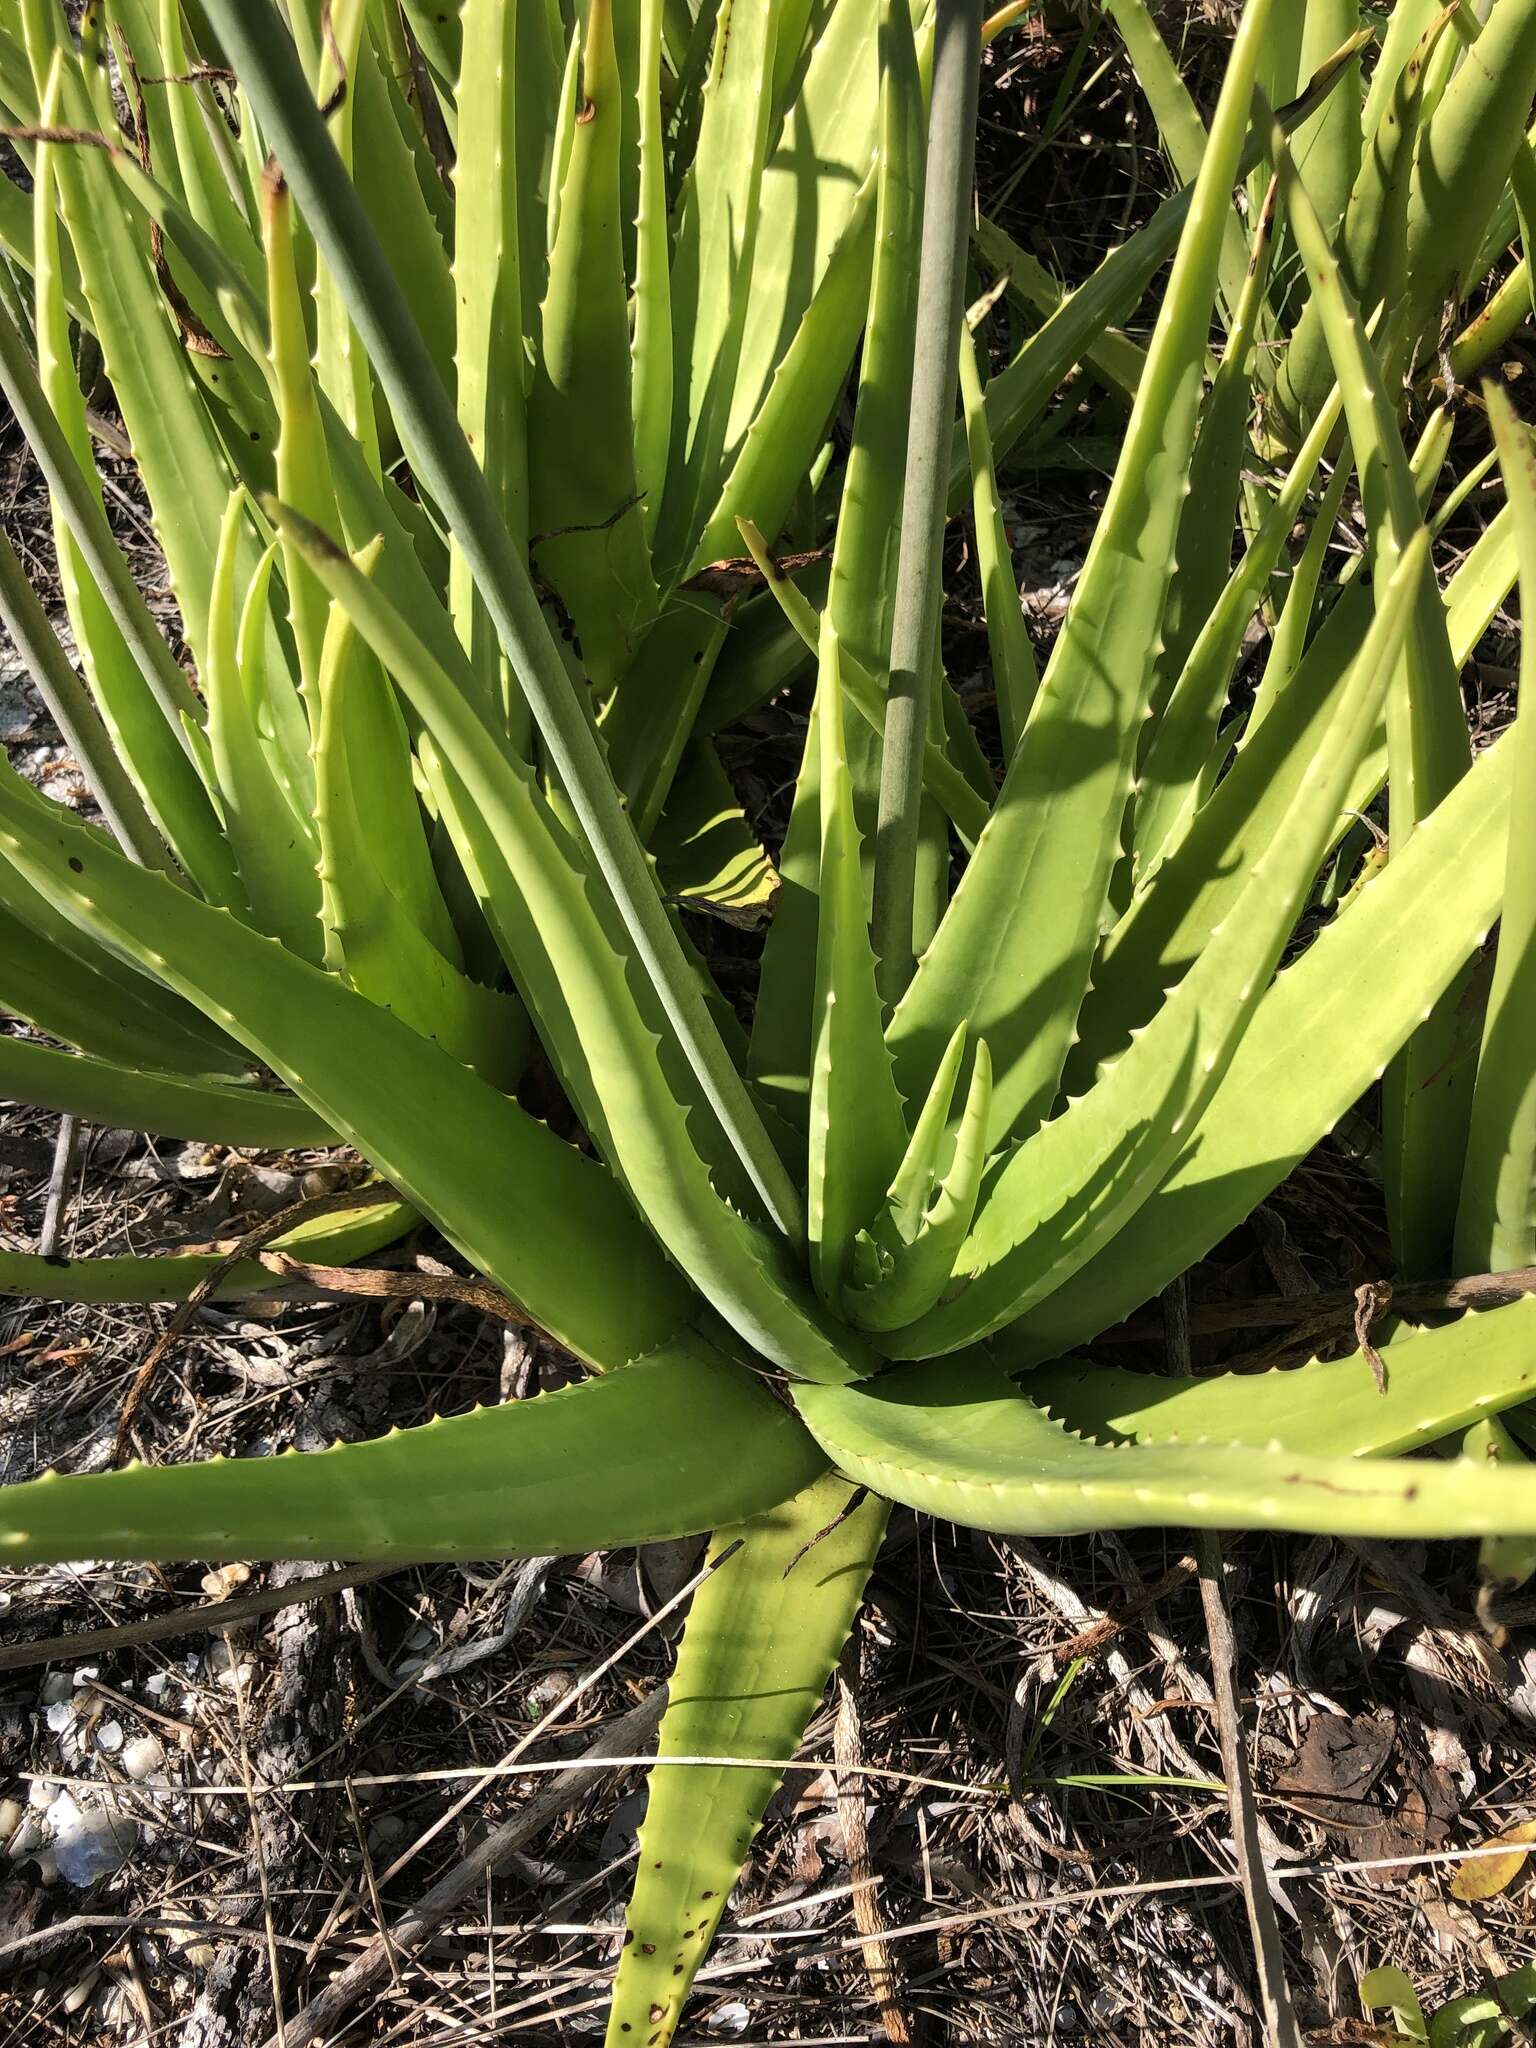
90, 1842
109, 1737
58, 1685
25, 1840
59, 1716
142, 1756
78, 1992
386, 1831
12, 1814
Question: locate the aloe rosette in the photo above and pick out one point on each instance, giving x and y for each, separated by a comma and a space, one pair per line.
449, 478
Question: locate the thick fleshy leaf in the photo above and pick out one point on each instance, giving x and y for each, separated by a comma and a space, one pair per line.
1323, 1035
955, 1440
516, 1200
761, 1639
667, 1447
1013, 956
1496, 1220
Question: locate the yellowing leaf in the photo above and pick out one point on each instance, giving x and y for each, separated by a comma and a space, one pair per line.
1486, 1876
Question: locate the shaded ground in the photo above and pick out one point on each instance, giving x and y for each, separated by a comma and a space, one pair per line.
1038, 1849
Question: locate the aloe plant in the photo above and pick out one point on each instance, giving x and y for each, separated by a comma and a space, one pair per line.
437, 505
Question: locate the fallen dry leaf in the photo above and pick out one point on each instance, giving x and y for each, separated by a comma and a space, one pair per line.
1486, 1876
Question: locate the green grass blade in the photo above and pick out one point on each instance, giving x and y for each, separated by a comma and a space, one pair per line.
425, 414
1014, 953
762, 1637
655, 1450
949, 1439
1496, 1219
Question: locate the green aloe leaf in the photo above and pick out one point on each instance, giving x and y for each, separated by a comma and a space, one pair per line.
1465, 152
651, 372
1496, 1219
856, 1130
179, 454
1187, 736
762, 1637
1064, 1193
714, 249
1178, 119
952, 1439
273, 841
913, 1244
572, 963
707, 853
1019, 394
1328, 146
1436, 1381
424, 412
1322, 1037
488, 279
368, 818
334, 1240
659, 1449
1203, 552
516, 1200
1427, 1095
1015, 675
171, 1105
1374, 236
588, 530
1014, 954
53, 976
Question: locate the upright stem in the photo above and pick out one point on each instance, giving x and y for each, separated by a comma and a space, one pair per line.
919, 569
